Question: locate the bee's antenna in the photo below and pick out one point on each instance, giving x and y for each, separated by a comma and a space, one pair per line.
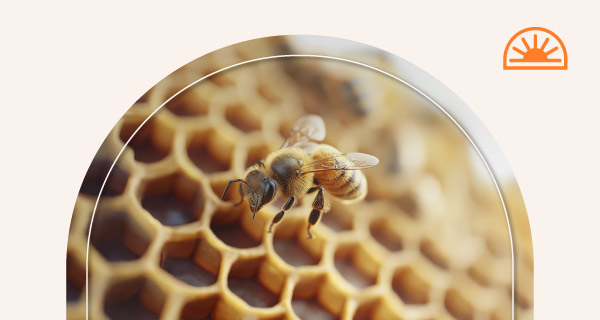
229, 183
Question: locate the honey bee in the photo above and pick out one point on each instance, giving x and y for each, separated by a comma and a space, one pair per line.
300, 167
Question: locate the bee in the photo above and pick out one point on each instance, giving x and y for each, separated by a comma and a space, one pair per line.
301, 167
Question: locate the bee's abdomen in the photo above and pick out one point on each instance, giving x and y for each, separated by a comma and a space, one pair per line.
344, 184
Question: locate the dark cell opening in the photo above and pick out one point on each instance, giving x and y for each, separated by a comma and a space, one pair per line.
117, 237
134, 299
311, 309
175, 200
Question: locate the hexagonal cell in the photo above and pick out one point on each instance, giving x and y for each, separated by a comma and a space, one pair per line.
94, 178
151, 143
338, 218
227, 224
233, 194
355, 266
458, 306
118, 237
191, 261
305, 302
382, 231
75, 278
372, 309
311, 309
378, 309
240, 117
210, 151
255, 154
198, 309
293, 246
245, 282
433, 254
189, 103
138, 298
317, 297
410, 286
173, 200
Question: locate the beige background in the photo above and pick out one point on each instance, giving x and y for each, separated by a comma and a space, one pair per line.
68, 72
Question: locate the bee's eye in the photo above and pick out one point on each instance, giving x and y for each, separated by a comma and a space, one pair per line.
269, 192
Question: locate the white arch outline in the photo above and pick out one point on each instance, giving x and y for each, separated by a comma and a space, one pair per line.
512, 271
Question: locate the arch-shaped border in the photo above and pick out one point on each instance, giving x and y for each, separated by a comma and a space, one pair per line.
420, 81
512, 39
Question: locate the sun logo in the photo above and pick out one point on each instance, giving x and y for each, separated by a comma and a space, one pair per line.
524, 52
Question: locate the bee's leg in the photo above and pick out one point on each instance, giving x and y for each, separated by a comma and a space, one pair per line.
241, 195
261, 163
313, 189
318, 205
227, 187
288, 204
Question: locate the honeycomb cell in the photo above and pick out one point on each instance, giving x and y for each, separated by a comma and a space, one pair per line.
118, 237
458, 306
338, 218
138, 298
255, 154
430, 251
97, 172
151, 143
210, 151
179, 259
311, 309
348, 263
234, 192
386, 235
227, 226
292, 245
190, 103
199, 308
306, 302
368, 309
173, 200
410, 286
243, 280
239, 116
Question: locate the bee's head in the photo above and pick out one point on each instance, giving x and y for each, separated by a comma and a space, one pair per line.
260, 190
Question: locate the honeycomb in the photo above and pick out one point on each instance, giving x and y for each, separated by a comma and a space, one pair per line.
430, 241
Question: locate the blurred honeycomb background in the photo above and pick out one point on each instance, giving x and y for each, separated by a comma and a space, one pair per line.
430, 241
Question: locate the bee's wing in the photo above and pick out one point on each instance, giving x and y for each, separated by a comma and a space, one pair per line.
342, 161
307, 128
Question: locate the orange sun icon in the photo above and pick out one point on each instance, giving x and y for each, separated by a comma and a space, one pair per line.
532, 57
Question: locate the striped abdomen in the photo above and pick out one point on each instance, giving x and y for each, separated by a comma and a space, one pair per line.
343, 184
